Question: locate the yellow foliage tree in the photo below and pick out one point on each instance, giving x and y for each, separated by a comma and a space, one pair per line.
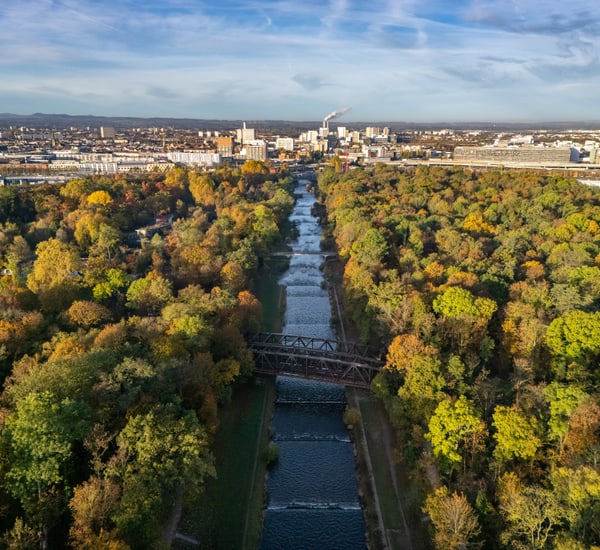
100, 198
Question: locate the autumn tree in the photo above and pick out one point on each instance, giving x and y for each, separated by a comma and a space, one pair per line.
55, 277
531, 513
254, 172
454, 520
87, 314
92, 507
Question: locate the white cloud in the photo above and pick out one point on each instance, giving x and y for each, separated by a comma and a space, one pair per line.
288, 59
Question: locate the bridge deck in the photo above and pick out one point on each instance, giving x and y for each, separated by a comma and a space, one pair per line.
314, 358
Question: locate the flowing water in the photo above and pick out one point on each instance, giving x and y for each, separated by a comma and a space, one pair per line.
312, 490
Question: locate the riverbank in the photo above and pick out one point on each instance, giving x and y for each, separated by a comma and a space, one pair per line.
389, 496
229, 513
383, 481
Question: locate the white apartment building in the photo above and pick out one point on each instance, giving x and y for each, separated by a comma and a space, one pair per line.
255, 150
244, 135
195, 158
284, 143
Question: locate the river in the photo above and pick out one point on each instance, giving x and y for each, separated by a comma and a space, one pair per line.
312, 489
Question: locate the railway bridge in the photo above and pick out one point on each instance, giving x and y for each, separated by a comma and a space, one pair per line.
334, 361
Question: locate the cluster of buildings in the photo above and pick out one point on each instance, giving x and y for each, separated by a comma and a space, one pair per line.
107, 150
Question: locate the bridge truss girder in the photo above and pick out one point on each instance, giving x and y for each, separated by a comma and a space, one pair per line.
349, 349
313, 366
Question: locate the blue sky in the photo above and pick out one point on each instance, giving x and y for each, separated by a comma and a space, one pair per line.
402, 60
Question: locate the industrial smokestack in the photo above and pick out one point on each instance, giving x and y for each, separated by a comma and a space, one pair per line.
335, 114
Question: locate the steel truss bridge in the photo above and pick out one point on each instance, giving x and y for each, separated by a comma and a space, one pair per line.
314, 359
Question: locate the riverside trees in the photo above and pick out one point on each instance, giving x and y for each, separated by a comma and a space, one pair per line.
116, 356
481, 289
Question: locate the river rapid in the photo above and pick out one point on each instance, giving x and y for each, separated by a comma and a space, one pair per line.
312, 490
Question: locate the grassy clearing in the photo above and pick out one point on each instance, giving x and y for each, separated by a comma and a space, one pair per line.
271, 294
229, 513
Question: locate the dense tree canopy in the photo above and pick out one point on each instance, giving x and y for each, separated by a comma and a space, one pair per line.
484, 287
122, 316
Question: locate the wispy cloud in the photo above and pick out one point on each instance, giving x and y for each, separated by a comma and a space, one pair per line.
288, 59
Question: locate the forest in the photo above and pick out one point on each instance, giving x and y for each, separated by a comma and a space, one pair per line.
481, 289
124, 303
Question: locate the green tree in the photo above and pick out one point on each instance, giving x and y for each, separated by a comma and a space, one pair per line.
164, 457
457, 301
516, 435
114, 281
563, 400
264, 225
464, 318
370, 248
39, 437
578, 493
455, 428
574, 341
149, 294
107, 242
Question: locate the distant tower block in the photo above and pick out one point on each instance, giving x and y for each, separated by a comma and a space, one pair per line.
107, 132
244, 135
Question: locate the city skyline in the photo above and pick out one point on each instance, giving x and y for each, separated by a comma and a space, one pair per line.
421, 62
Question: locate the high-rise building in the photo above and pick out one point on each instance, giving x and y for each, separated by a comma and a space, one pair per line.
286, 143
256, 150
195, 158
107, 132
225, 146
245, 135
371, 131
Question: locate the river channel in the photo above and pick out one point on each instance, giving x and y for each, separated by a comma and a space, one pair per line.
312, 490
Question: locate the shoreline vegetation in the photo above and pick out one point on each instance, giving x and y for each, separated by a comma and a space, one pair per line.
483, 289
388, 495
229, 513
123, 307
235, 500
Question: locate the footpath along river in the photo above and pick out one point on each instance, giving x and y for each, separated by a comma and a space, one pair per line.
312, 490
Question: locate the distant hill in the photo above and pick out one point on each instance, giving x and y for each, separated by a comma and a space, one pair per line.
42, 120
58, 121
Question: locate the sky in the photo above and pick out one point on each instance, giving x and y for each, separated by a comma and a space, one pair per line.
384, 60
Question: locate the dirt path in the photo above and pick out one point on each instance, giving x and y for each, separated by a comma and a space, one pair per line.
375, 434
